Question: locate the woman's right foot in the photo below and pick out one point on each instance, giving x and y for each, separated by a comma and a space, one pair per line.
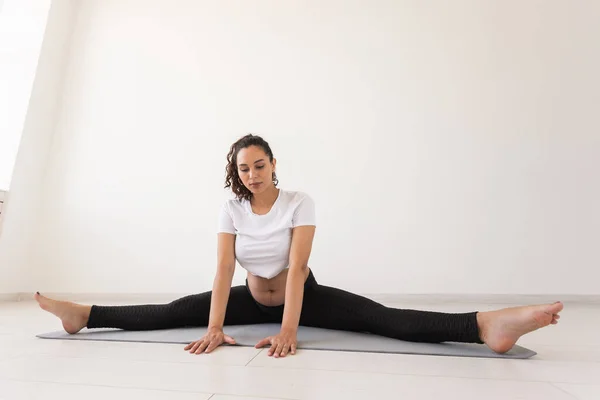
501, 329
74, 317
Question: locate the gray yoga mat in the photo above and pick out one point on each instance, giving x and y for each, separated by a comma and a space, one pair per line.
308, 338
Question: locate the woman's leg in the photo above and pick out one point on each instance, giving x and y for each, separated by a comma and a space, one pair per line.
332, 308
192, 310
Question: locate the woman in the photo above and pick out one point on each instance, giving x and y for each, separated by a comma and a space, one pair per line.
270, 232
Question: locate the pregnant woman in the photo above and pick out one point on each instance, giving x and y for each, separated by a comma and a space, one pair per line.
270, 232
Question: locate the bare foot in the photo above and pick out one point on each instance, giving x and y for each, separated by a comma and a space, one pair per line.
74, 317
501, 329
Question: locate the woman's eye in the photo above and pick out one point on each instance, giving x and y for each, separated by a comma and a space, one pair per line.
258, 167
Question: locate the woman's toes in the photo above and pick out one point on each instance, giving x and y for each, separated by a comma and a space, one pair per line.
556, 307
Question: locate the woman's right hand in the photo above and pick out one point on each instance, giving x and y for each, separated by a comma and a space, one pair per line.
213, 338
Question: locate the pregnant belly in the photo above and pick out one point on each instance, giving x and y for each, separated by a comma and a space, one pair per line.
269, 292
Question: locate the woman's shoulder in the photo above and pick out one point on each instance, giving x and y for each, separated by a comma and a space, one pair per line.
232, 203
296, 196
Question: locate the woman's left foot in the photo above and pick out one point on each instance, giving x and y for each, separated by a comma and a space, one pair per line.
74, 316
501, 329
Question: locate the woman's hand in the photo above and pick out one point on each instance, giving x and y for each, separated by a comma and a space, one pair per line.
280, 344
213, 338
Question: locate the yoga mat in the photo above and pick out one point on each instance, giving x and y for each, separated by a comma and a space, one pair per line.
308, 338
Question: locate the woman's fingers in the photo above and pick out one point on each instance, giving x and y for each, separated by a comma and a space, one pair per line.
195, 346
263, 342
284, 350
278, 349
202, 346
229, 339
208, 343
212, 345
189, 346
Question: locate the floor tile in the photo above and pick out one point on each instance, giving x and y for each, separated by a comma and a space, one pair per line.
459, 367
260, 381
15, 390
581, 392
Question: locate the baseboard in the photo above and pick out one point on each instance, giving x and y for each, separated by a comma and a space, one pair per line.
9, 296
108, 297
508, 299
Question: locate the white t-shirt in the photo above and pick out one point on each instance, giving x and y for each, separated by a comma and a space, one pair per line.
262, 244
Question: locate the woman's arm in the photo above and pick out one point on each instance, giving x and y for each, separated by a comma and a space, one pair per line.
222, 281
214, 336
302, 239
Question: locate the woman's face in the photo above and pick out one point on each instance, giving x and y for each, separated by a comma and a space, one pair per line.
254, 169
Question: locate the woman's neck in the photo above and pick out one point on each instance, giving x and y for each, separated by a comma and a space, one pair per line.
265, 199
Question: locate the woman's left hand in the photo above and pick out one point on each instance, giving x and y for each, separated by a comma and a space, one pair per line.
280, 344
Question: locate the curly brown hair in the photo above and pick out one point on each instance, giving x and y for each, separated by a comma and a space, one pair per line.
232, 178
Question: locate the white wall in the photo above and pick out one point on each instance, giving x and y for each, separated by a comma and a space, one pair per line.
25, 200
452, 147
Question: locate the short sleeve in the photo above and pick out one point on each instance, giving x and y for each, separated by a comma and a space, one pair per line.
225, 224
304, 214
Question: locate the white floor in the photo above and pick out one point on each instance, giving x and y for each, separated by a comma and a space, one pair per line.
567, 367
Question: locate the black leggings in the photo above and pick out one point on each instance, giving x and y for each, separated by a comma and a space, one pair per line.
322, 307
